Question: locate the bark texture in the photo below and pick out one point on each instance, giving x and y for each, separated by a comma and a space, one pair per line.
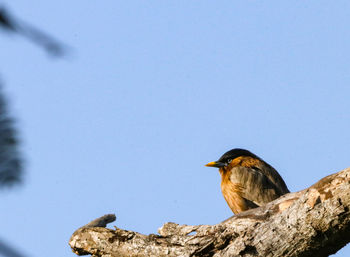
311, 222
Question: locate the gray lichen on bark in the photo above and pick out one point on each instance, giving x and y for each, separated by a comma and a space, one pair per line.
311, 222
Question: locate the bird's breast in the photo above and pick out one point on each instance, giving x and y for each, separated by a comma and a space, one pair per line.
232, 193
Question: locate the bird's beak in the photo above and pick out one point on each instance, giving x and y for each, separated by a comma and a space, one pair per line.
215, 164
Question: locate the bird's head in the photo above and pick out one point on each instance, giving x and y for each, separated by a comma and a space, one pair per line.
229, 156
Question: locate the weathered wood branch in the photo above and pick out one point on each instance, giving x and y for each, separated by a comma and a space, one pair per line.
312, 222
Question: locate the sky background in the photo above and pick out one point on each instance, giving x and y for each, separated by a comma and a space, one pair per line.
153, 90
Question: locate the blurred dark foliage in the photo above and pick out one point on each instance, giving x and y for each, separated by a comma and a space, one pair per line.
9, 251
10, 160
11, 163
14, 25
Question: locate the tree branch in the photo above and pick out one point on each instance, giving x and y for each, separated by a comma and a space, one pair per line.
311, 222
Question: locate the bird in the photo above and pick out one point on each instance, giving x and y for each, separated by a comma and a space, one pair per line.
247, 181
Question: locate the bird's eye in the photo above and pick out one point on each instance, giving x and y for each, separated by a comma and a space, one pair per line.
229, 161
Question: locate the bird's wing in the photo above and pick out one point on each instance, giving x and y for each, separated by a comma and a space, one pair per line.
273, 176
256, 185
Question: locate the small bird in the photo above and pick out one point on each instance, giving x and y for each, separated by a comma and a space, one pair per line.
247, 181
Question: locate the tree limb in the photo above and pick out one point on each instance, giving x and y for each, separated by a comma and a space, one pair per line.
311, 222
14, 25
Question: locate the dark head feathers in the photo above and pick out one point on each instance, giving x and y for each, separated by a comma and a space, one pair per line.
234, 153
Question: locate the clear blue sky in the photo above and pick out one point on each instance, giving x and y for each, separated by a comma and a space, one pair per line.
152, 91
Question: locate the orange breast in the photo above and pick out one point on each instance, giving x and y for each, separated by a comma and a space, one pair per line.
231, 192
